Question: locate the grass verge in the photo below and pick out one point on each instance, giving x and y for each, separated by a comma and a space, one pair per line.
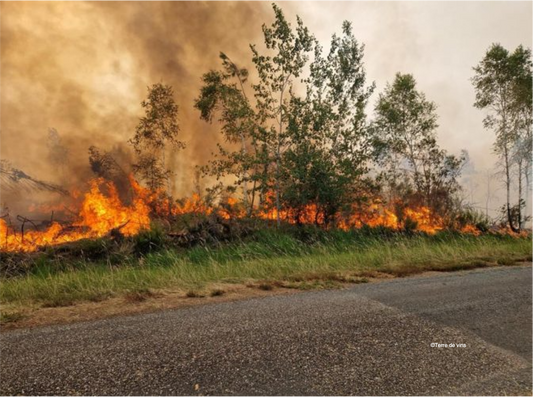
11, 317
270, 260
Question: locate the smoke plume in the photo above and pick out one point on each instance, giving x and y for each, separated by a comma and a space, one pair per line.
83, 68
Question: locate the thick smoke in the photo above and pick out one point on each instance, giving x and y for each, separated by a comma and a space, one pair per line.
84, 68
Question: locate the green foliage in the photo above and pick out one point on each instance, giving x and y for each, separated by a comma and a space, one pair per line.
305, 149
415, 169
157, 130
159, 126
150, 240
223, 93
329, 141
258, 129
503, 83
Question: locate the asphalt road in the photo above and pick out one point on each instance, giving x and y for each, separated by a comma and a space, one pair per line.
367, 340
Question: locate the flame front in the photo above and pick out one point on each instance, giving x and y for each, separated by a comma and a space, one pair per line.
101, 211
375, 215
99, 214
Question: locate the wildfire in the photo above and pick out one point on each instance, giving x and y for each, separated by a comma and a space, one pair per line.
374, 215
99, 214
101, 211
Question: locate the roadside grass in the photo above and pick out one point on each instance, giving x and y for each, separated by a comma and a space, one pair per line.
11, 317
138, 296
271, 259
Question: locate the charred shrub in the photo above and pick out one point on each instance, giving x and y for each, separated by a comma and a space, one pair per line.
211, 230
15, 263
88, 249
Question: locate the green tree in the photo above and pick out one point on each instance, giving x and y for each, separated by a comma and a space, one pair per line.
304, 137
224, 94
259, 129
288, 53
523, 114
156, 132
407, 148
503, 89
329, 141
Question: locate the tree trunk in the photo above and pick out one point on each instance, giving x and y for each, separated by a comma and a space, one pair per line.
508, 188
244, 151
487, 201
245, 182
278, 158
252, 201
527, 170
278, 205
520, 218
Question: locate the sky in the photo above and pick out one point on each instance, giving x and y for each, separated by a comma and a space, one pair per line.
83, 68
437, 42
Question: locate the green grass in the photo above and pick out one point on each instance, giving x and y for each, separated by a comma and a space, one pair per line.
304, 260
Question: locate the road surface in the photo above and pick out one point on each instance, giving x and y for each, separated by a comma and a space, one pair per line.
366, 340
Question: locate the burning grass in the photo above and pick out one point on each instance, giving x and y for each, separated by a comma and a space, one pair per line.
103, 212
291, 258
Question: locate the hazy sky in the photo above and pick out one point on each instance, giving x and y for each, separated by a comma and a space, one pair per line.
83, 68
437, 42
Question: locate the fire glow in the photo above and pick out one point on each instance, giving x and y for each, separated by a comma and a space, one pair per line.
98, 215
101, 211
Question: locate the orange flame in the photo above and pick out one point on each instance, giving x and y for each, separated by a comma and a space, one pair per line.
99, 214
102, 211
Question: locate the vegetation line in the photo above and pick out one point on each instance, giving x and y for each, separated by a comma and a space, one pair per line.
292, 259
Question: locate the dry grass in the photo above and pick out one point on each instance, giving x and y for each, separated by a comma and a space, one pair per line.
138, 296
194, 294
11, 317
266, 286
217, 292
